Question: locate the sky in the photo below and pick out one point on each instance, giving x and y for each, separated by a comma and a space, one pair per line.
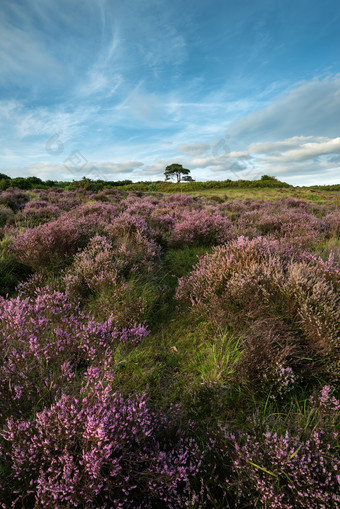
119, 89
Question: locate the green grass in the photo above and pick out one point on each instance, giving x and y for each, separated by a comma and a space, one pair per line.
272, 194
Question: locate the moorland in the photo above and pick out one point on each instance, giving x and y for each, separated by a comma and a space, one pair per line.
169, 345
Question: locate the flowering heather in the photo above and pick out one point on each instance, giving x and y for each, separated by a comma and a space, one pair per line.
295, 469
255, 363
133, 242
96, 271
45, 341
47, 246
96, 213
37, 212
6, 213
14, 199
333, 222
65, 200
296, 226
180, 201
268, 362
254, 279
99, 450
50, 246
201, 227
91, 268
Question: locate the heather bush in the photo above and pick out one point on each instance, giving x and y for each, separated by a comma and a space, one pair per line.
228, 275
180, 201
95, 272
202, 227
313, 299
37, 212
297, 468
65, 201
14, 199
268, 362
162, 222
257, 279
142, 207
99, 450
6, 214
333, 222
133, 242
45, 342
298, 227
92, 269
52, 245
98, 214
48, 246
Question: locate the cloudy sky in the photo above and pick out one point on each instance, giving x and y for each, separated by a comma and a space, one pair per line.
119, 89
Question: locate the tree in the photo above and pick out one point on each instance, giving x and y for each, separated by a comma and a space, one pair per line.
268, 177
176, 170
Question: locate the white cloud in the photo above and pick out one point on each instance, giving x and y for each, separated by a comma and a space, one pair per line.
194, 149
297, 150
275, 147
313, 149
157, 168
309, 109
109, 167
299, 158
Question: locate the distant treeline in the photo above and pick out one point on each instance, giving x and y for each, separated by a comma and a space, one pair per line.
27, 183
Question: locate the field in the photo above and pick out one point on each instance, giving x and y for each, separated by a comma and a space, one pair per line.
169, 350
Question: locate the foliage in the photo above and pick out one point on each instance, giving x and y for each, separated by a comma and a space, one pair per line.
177, 170
168, 350
99, 449
295, 469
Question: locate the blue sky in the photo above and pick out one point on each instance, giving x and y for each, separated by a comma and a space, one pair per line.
119, 89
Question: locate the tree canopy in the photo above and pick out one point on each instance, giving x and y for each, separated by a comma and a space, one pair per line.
177, 171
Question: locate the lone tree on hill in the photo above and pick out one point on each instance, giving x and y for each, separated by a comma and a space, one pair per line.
177, 170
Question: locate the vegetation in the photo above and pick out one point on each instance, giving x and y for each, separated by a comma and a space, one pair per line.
169, 350
177, 171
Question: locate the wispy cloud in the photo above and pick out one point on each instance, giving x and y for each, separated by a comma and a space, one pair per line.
309, 150
134, 86
194, 149
308, 109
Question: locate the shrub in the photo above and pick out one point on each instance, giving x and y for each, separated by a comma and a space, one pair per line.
201, 227
133, 242
294, 225
52, 245
268, 363
37, 212
95, 272
14, 199
333, 222
6, 214
294, 469
259, 279
45, 342
99, 450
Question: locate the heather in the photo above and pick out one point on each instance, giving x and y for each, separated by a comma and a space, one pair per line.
169, 350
